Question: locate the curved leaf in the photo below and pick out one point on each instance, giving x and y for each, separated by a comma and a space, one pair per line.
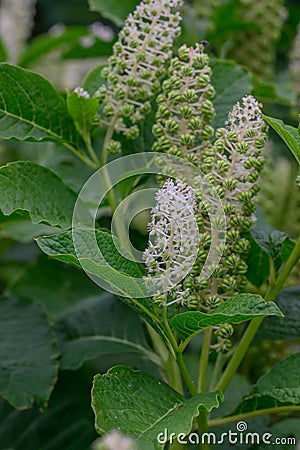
234, 310
29, 187
279, 387
142, 406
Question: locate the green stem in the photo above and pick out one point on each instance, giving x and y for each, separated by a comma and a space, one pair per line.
217, 370
87, 141
203, 363
203, 428
255, 323
250, 415
178, 354
82, 156
185, 373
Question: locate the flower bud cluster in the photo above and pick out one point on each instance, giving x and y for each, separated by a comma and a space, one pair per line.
173, 239
232, 166
185, 110
255, 47
137, 64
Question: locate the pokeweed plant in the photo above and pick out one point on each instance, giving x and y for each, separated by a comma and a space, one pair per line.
207, 149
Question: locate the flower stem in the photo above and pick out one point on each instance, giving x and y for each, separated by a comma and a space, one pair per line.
251, 414
82, 156
203, 363
255, 323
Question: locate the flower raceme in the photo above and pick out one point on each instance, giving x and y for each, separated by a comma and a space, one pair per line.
137, 64
173, 243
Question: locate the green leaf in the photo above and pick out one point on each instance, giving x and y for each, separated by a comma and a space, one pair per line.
258, 263
28, 354
83, 111
231, 82
31, 109
275, 244
29, 187
21, 229
113, 10
93, 80
142, 406
45, 43
71, 286
3, 52
235, 310
273, 328
108, 263
69, 412
279, 387
287, 133
117, 271
106, 330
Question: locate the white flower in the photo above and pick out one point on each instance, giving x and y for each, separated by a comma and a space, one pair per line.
81, 92
173, 244
115, 441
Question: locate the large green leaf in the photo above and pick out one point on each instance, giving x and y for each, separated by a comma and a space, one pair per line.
106, 330
234, 310
117, 271
29, 187
114, 10
279, 387
28, 354
287, 133
31, 109
108, 263
69, 413
277, 329
231, 82
142, 406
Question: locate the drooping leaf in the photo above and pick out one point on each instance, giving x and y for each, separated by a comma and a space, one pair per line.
28, 354
142, 406
31, 109
107, 329
83, 111
26, 186
114, 10
287, 133
277, 329
108, 263
231, 82
235, 310
69, 412
115, 271
279, 387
